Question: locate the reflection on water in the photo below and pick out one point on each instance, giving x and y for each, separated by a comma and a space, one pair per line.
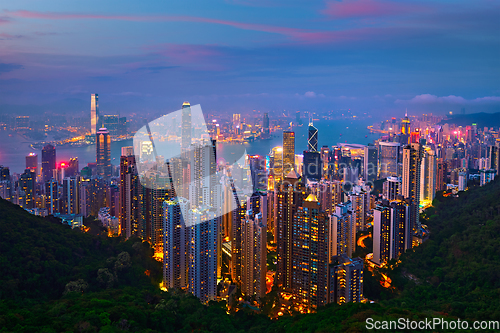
14, 148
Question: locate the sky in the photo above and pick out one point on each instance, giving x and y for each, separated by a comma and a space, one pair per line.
370, 56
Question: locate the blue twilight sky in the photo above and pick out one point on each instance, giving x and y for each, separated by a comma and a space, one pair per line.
371, 56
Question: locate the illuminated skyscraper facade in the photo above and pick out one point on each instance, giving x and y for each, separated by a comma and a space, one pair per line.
410, 189
94, 114
129, 194
48, 162
288, 152
312, 140
103, 153
186, 126
309, 271
388, 159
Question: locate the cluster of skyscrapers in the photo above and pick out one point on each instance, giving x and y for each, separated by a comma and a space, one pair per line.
215, 223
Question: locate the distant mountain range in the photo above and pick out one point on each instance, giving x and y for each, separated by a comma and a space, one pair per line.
482, 119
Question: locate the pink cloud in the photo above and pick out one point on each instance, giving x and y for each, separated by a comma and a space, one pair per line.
367, 8
207, 57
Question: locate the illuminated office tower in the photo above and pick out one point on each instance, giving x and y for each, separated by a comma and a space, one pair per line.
254, 254
52, 197
70, 197
312, 140
48, 162
32, 162
388, 159
342, 231
494, 157
94, 113
237, 123
405, 125
310, 254
113, 203
27, 182
277, 163
335, 160
186, 127
238, 218
410, 188
201, 232
5, 173
370, 163
289, 195
345, 280
72, 169
175, 243
103, 153
325, 160
360, 200
391, 188
428, 176
288, 152
324, 194
128, 207
312, 166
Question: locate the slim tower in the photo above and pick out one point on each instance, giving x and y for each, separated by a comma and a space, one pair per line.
94, 113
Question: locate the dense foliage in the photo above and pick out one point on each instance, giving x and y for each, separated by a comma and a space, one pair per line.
54, 279
457, 271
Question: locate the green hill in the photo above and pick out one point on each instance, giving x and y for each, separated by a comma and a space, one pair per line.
457, 271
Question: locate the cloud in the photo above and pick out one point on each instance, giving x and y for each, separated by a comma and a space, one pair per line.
451, 99
4, 68
368, 8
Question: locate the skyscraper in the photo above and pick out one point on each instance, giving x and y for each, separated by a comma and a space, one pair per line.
309, 259
342, 231
254, 254
428, 176
391, 188
410, 188
346, 280
388, 159
201, 231
186, 126
48, 162
129, 194
288, 152
175, 245
312, 167
312, 140
94, 113
103, 153
27, 183
32, 162
370, 163
265, 123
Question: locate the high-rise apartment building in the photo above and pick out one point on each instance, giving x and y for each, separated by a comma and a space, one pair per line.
342, 233
312, 140
32, 162
128, 207
186, 127
288, 152
410, 188
103, 153
388, 159
370, 163
391, 188
428, 176
69, 202
48, 162
309, 262
345, 280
